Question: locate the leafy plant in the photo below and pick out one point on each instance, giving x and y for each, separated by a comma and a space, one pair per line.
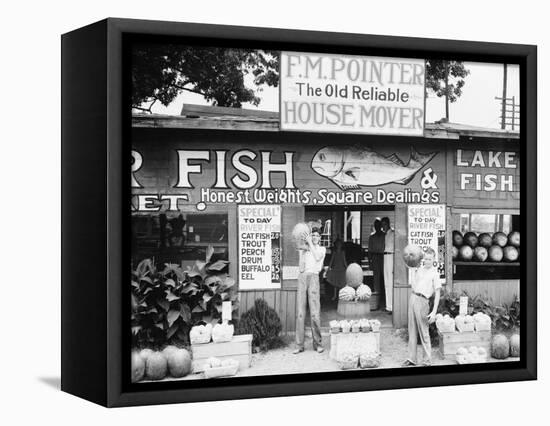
503, 317
263, 323
167, 302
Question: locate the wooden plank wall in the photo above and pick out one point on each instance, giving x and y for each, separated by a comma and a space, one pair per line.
499, 291
400, 306
283, 301
401, 289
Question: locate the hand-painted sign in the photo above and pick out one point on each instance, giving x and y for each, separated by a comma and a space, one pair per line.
259, 236
351, 167
426, 229
279, 173
482, 175
352, 94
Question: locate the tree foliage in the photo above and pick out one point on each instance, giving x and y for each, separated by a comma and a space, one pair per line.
446, 78
162, 72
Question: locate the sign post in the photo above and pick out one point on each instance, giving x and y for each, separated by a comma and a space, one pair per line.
426, 229
259, 246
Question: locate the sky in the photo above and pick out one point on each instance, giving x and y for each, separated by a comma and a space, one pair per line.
477, 106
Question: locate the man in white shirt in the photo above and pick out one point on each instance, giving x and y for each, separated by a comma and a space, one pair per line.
388, 262
311, 263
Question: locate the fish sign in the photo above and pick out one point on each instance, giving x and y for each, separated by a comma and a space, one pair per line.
351, 167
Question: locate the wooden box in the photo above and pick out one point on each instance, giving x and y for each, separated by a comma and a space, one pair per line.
353, 309
450, 342
360, 342
239, 349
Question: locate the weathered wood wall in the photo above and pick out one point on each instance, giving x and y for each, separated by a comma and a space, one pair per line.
499, 291
283, 301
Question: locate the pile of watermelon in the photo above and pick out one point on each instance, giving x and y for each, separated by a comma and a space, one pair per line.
483, 247
156, 365
502, 347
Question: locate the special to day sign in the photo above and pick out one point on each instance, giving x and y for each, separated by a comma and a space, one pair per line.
352, 94
427, 229
259, 246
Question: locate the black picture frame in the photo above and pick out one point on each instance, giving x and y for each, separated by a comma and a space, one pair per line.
95, 147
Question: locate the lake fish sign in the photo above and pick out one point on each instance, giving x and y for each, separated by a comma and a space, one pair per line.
352, 167
352, 94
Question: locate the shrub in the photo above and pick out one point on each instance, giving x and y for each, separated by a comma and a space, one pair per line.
264, 324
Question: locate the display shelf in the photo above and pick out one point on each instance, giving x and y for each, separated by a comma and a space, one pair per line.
464, 263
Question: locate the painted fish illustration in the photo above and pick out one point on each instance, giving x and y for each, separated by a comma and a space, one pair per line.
350, 167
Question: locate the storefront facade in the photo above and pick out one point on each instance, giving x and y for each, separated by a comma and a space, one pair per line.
243, 192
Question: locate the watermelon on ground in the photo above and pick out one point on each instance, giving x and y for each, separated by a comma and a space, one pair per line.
514, 345
179, 362
156, 366
500, 346
138, 367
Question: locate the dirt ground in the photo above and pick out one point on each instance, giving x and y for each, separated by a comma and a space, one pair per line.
282, 361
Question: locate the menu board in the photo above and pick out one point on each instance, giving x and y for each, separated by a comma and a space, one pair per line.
426, 228
259, 246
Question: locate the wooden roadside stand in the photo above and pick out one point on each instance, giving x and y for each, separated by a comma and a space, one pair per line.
460, 178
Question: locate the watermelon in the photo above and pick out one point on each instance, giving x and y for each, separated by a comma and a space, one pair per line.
454, 252
500, 346
514, 345
470, 238
510, 254
138, 367
466, 253
146, 353
480, 254
168, 350
458, 240
354, 275
412, 255
513, 239
495, 253
500, 239
156, 366
179, 362
299, 232
485, 240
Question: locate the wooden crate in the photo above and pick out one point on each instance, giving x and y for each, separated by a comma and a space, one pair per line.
353, 309
239, 349
344, 342
450, 342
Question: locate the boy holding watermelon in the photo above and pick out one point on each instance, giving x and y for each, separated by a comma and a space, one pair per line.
425, 283
311, 262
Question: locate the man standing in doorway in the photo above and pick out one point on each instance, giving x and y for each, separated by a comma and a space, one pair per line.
388, 262
311, 263
376, 257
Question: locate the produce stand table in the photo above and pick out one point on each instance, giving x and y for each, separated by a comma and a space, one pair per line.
239, 349
361, 342
450, 342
